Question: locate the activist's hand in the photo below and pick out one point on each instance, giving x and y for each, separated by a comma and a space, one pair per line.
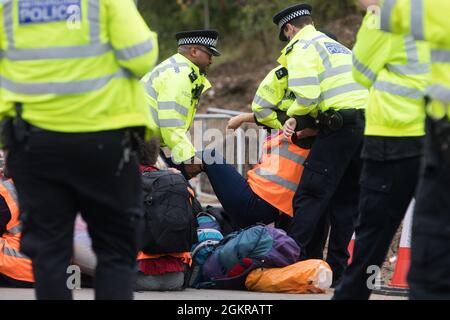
234, 123
289, 127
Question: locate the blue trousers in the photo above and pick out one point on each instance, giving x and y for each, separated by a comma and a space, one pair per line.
239, 201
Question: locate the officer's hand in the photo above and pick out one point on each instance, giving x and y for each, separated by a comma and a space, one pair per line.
289, 127
192, 170
306, 133
367, 3
234, 123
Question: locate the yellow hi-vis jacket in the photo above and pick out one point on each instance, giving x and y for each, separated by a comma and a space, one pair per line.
13, 263
173, 89
75, 65
396, 69
320, 74
272, 96
426, 20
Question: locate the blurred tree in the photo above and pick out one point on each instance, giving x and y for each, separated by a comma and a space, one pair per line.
244, 25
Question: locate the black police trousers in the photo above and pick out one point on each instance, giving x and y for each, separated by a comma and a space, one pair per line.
57, 176
429, 275
387, 188
330, 185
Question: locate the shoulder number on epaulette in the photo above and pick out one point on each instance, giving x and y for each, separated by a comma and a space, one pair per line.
193, 76
281, 73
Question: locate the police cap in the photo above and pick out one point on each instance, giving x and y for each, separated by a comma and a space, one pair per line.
206, 38
289, 14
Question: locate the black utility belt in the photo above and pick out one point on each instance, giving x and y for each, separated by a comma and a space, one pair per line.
336, 119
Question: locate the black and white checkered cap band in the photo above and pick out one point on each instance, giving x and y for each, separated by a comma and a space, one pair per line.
292, 16
209, 42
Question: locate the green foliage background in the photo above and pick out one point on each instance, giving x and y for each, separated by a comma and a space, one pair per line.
245, 25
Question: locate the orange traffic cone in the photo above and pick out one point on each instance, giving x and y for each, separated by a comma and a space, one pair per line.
351, 246
404, 252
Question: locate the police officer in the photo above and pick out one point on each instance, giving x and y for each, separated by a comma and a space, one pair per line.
396, 69
71, 104
320, 76
174, 89
429, 276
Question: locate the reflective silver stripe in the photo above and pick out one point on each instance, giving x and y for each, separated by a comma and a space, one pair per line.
307, 81
175, 65
340, 90
170, 123
154, 115
155, 73
11, 189
399, 90
172, 105
306, 102
263, 103
323, 55
414, 67
13, 253
411, 50
17, 229
439, 92
165, 123
57, 52
60, 88
335, 72
365, 70
94, 20
94, 49
276, 179
417, 17
283, 151
439, 55
8, 23
151, 91
134, 51
310, 42
409, 70
263, 113
386, 13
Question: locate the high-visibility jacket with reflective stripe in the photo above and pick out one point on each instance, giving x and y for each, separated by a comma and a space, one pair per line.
426, 20
320, 74
78, 73
396, 69
275, 178
173, 92
13, 263
272, 95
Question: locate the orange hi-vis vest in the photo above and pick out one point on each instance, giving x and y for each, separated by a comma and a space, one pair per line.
13, 263
276, 177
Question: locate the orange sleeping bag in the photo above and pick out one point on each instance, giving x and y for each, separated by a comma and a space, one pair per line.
310, 276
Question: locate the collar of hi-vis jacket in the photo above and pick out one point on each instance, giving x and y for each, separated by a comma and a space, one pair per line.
305, 34
201, 78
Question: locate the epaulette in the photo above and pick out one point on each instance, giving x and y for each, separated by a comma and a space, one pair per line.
193, 76
281, 73
289, 49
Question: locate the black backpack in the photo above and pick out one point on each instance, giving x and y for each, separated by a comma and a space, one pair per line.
170, 218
